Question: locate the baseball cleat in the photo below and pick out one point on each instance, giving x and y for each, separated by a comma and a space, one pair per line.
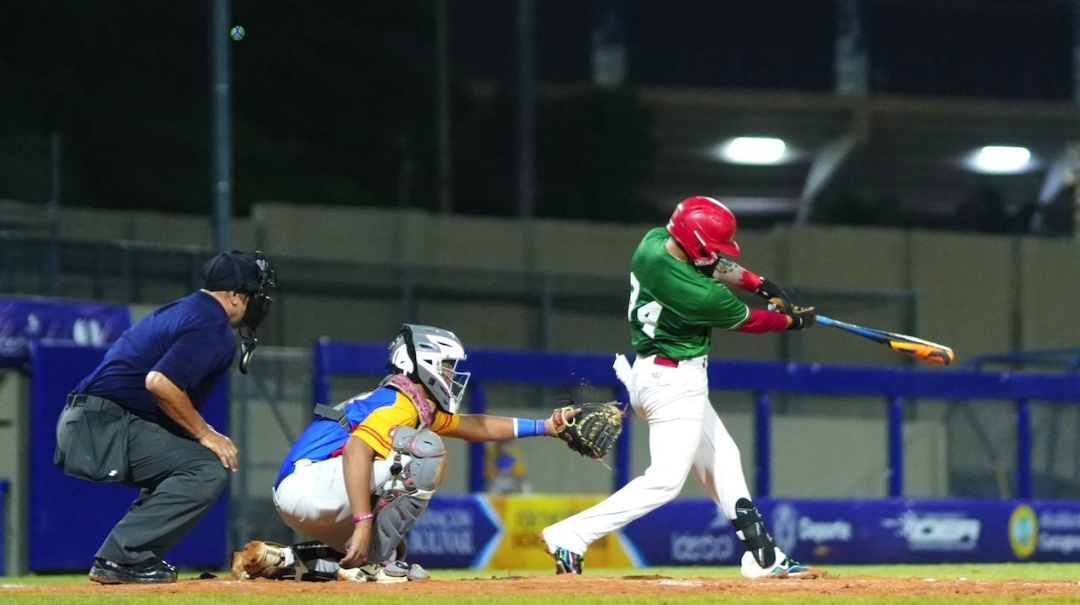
392, 572
786, 567
417, 573
151, 571
565, 560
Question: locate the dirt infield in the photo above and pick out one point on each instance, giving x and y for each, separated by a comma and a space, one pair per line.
832, 584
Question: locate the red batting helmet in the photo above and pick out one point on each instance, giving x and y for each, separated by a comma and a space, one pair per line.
704, 229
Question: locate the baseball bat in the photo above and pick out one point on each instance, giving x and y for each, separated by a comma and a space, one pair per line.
909, 345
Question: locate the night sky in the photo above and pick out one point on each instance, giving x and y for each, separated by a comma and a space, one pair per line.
334, 102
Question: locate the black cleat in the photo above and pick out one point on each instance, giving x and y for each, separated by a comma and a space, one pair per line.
150, 571
567, 562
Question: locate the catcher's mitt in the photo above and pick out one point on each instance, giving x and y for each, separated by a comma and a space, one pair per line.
594, 431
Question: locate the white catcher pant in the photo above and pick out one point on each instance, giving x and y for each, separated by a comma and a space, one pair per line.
685, 434
312, 500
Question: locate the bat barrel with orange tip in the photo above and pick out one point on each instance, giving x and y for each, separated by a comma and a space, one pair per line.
909, 345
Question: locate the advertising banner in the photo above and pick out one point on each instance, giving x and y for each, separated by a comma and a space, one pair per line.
26, 320
501, 532
892, 530
454, 532
66, 518
524, 516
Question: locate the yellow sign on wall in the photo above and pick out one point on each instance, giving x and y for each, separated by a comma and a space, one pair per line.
524, 515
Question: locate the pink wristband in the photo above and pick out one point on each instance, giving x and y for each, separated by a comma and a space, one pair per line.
363, 517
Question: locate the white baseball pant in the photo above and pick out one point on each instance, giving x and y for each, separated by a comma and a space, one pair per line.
685, 434
312, 500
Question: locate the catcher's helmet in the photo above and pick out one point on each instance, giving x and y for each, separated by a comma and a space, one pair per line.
704, 229
429, 356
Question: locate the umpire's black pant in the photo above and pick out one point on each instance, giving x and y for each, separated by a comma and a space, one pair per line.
180, 480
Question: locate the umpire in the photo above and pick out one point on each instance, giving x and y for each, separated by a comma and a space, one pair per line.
135, 419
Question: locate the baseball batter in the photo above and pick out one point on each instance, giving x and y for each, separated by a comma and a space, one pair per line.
679, 292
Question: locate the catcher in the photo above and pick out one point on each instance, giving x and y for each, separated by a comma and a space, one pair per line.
363, 472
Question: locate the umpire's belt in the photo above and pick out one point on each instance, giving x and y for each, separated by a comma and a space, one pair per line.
95, 403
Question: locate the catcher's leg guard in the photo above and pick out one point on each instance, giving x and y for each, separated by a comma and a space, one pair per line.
392, 522
420, 460
751, 530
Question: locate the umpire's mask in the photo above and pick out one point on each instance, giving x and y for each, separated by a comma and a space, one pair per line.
252, 275
257, 308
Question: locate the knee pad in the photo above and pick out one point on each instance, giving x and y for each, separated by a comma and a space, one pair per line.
415, 443
423, 476
751, 530
419, 462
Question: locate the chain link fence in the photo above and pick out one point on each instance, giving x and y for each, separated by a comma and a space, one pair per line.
269, 408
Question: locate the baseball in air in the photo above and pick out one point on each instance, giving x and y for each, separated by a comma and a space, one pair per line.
237, 33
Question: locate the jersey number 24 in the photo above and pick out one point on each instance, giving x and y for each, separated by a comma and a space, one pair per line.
647, 314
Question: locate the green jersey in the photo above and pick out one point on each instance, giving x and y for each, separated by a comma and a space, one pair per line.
673, 307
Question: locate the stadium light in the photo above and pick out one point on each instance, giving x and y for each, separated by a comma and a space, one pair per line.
999, 159
753, 150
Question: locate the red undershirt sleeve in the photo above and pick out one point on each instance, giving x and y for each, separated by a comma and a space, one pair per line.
763, 321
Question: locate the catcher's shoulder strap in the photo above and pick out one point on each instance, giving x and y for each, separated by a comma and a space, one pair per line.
333, 413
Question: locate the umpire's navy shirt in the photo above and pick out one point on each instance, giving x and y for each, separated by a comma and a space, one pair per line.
189, 340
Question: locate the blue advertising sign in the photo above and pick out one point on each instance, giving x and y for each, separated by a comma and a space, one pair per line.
455, 532
683, 532
27, 320
880, 531
61, 535
1045, 530
893, 530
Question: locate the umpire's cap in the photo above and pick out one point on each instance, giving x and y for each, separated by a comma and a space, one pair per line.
236, 271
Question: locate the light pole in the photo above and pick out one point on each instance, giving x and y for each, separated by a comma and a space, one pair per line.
222, 125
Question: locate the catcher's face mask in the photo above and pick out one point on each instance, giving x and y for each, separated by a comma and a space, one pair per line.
257, 308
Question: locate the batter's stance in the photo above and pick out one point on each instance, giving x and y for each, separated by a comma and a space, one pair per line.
679, 292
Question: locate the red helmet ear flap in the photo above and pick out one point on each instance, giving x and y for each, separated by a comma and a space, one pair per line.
704, 229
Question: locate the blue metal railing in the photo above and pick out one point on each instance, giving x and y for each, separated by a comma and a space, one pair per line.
896, 386
1067, 359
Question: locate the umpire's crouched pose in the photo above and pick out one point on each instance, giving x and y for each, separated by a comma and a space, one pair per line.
135, 419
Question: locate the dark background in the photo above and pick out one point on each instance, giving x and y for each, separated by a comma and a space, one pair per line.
334, 102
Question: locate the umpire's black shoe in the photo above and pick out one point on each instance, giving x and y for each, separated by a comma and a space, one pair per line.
151, 571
